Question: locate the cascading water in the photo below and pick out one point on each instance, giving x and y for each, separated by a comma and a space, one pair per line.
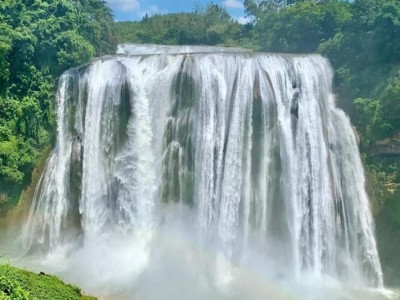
248, 147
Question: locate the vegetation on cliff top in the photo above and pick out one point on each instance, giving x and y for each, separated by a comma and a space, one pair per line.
210, 25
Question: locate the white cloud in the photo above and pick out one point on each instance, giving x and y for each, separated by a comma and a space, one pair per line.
233, 4
242, 20
124, 5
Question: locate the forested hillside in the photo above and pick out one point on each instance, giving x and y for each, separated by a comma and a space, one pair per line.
39, 39
211, 25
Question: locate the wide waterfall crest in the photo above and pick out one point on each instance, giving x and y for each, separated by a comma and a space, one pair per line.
250, 144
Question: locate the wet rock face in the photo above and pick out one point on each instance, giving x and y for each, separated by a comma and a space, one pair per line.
387, 148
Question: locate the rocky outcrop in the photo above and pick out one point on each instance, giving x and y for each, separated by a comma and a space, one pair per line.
386, 148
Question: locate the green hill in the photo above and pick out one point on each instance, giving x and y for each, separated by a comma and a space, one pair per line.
23, 285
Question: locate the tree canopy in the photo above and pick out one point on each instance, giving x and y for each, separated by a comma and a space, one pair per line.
211, 25
39, 39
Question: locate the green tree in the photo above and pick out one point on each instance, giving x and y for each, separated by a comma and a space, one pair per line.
207, 25
301, 27
39, 39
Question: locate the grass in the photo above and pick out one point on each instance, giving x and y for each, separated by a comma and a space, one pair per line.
18, 284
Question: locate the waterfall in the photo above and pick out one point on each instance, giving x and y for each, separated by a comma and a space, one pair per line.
251, 144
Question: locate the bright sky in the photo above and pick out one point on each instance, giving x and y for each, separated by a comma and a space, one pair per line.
128, 10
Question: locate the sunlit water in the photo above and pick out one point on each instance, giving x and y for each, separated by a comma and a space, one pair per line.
203, 173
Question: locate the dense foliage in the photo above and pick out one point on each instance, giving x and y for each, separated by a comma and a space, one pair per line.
211, 25
39, 39
16, 284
